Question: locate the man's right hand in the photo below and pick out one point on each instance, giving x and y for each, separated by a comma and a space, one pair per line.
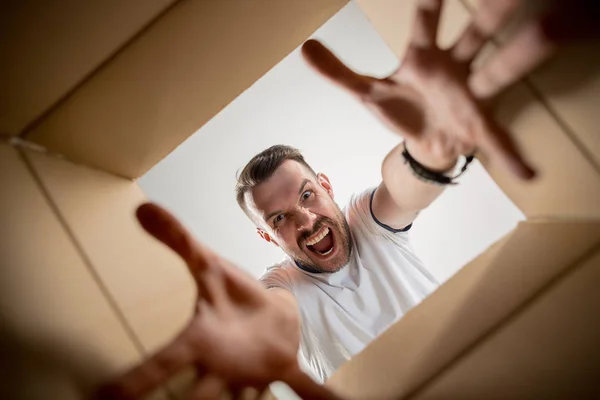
240, 336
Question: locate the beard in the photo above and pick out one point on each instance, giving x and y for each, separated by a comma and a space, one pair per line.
341, 230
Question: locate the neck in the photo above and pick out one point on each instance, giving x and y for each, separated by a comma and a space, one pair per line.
306, 268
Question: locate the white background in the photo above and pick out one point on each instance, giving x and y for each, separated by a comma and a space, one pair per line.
292, 105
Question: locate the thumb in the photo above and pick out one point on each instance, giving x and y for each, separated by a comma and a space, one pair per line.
327, 64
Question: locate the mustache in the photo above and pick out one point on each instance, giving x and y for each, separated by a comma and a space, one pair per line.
316, 227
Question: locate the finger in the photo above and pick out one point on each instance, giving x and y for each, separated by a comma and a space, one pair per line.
149, 375
210, 387
521, 54
213, 275
401, 114
166, 228
489, 18
426, 23
242, 288
496, 143
328, 65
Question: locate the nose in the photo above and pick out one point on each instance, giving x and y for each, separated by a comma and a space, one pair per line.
305, 219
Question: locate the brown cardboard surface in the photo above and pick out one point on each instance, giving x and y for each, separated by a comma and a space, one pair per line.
172, 79
468, 307
547, 350
48, 47
568, 183
147, 280
570, 84
393, 21
58, 328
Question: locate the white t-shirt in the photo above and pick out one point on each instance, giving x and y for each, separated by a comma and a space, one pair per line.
342, 312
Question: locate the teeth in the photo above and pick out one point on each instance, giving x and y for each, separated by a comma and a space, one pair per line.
327, 252
318, 238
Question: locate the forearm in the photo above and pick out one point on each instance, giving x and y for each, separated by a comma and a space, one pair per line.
406, 193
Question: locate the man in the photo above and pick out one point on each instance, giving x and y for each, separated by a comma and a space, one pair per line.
352, 273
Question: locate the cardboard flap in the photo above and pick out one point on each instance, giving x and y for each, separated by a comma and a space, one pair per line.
60, 334
467, 308
568, 184
169, 81
150, 283
47, 48
547, 350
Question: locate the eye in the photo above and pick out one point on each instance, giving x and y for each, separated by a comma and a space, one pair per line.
278, 218
306, 194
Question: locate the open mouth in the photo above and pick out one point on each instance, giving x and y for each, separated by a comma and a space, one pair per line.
322, 243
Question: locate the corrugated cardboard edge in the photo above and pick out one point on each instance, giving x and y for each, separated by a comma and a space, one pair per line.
464, 310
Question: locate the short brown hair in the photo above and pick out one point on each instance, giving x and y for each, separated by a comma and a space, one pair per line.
262, 166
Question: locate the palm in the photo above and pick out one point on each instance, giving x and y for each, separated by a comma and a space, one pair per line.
428, 100
248, 337
239, 336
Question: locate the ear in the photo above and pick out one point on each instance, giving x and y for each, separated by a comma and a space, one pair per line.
266, 236
324, 182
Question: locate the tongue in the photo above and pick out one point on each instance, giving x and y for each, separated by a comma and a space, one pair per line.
325, 244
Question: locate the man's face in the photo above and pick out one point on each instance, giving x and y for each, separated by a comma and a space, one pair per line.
296, 210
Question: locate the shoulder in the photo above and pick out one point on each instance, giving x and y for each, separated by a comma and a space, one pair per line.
359, 213
277, 276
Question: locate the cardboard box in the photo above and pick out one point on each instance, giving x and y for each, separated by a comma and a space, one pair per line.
98, 94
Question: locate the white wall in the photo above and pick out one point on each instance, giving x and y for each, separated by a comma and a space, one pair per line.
292, 105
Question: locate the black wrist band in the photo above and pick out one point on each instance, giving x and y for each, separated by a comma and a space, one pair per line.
426, 175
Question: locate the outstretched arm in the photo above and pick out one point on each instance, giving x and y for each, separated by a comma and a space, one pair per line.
241, 335
434, 100
426, 101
